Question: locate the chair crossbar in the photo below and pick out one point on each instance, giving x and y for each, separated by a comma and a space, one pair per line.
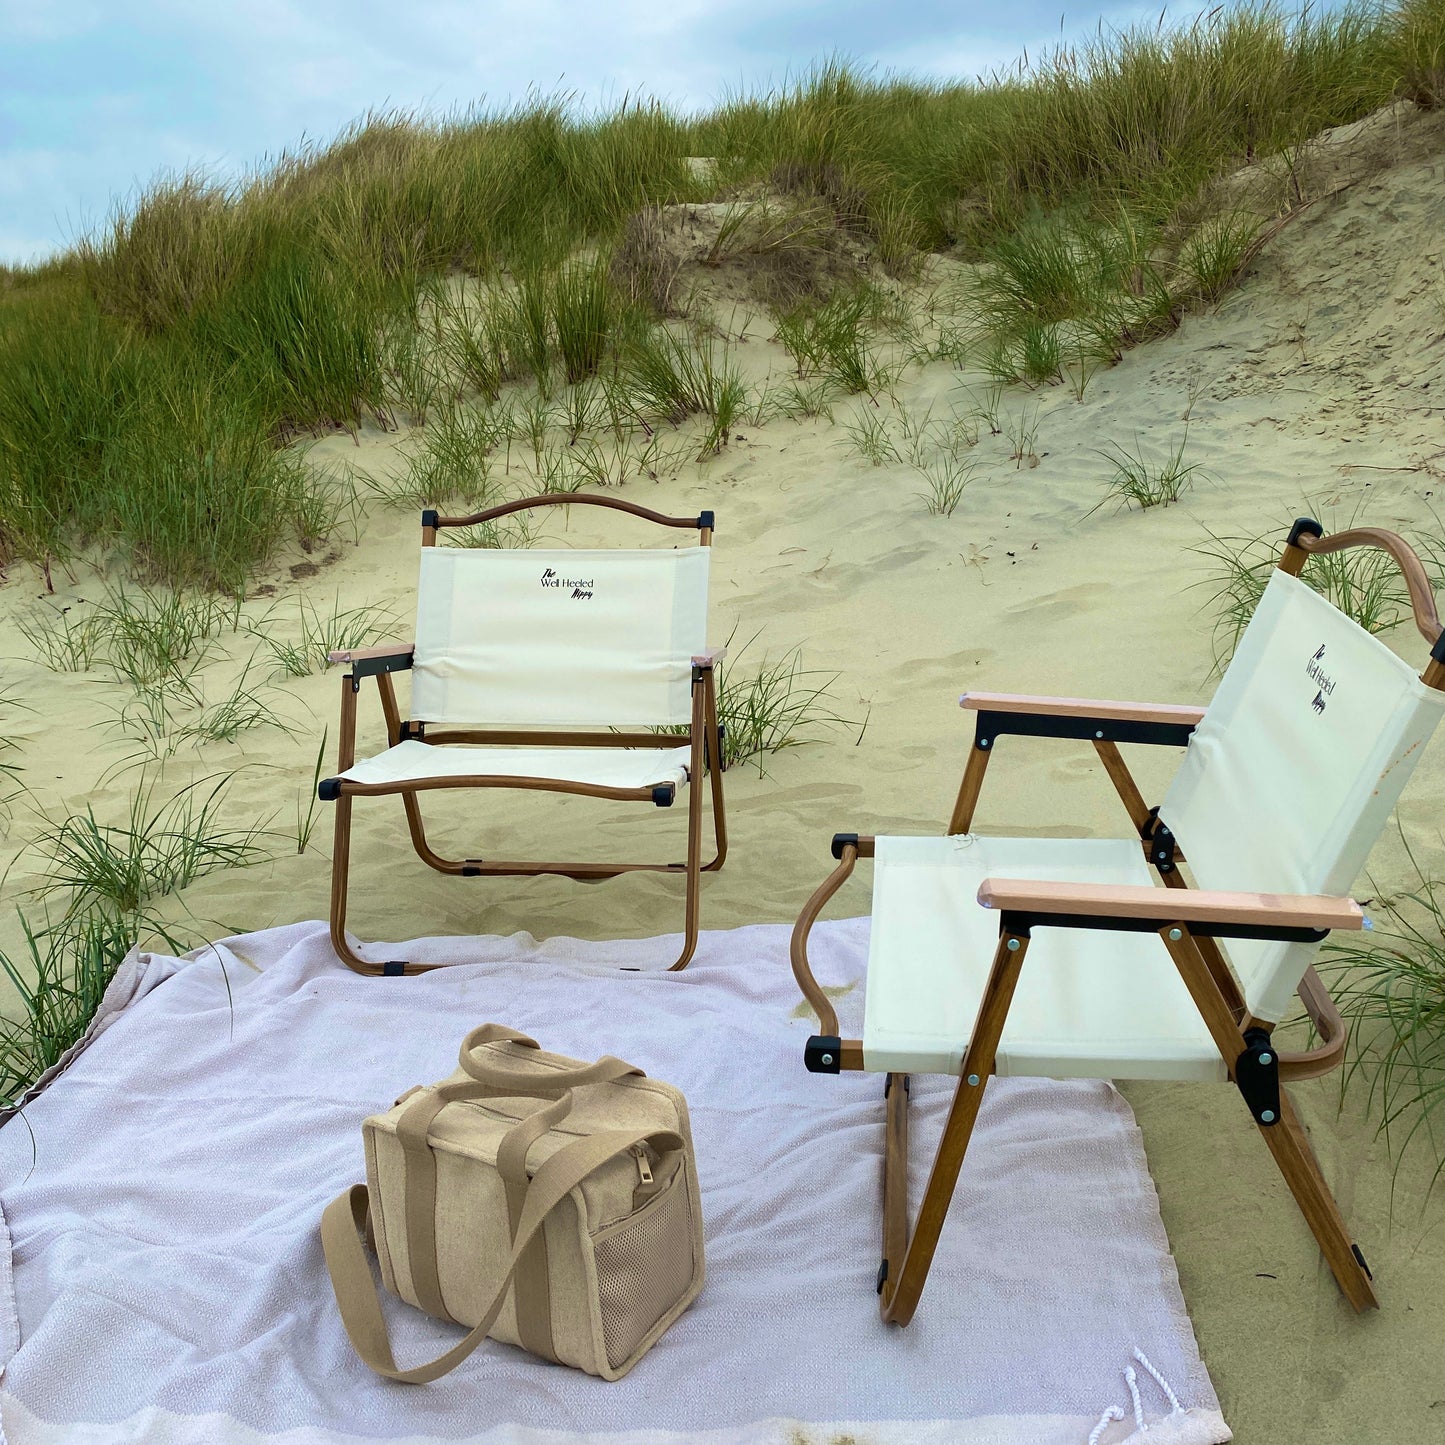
1022, 922
991, 725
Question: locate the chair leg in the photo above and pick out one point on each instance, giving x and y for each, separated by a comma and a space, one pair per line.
1287, 1139
899, 1293
1292, 1151
962, 819
340, 870
712, 751
417, 828
719, 824
895, 1173
694, 874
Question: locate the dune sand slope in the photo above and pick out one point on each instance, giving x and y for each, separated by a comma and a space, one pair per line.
1318, 386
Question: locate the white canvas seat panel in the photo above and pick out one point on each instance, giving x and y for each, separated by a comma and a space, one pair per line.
1295, 769
412, 761
1089, 1003
556, 636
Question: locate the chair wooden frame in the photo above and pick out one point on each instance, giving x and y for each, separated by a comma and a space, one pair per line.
703, 738
1188, 922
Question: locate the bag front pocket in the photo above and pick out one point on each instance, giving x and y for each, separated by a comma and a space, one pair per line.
644, 1267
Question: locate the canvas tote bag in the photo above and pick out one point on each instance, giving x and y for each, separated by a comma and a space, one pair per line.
541, 1200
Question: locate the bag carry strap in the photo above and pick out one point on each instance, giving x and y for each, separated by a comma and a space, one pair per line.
533, 1289
347, 1217
419, 1196
490, 1069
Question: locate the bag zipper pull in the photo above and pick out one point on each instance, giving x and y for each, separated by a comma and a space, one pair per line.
644, 1169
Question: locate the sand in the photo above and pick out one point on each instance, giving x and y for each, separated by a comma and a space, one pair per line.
1317, 386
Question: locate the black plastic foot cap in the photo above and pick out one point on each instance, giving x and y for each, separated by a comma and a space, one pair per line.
841, 841
663, 795
394, 969
1304, 527
328, 789
823, 1054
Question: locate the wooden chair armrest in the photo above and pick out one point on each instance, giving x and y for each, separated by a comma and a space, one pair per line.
1170, 905
367, 654
1081, 707
709, 656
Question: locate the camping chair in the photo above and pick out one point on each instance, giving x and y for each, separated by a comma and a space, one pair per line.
560, 670
1286, 781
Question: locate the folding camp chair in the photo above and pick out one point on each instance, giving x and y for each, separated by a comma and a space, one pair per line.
1286, 781
560, 670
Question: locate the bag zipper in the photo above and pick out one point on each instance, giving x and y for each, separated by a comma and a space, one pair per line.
644, 1165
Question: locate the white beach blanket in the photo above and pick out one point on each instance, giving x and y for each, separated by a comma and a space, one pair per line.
163, 1279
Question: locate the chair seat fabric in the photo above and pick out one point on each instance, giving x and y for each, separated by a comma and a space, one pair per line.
413, 761
1089, 1003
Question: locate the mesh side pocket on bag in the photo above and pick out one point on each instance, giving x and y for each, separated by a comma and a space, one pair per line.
643, 1269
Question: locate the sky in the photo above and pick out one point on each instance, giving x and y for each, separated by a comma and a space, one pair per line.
98, 97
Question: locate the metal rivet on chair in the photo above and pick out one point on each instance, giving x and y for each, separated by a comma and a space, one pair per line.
1175, 935
827, 1058
1267, 1115
973, 1081
1099, 734
1266, 1058
1013, 945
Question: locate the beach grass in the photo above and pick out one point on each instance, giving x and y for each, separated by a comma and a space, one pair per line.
1419, 53
151, 377
1140, 480
831, 342
63, 640
119, 869
102, 879
59, 981
10, 769
1390, 986
773, 704
319, 632
1363, 582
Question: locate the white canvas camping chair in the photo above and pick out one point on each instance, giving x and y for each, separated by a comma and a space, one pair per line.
1026, 956
551, 669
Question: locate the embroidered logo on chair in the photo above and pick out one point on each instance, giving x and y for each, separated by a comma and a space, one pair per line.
1322, 680
581, 589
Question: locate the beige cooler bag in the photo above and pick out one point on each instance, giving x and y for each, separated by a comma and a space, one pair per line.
546, 1202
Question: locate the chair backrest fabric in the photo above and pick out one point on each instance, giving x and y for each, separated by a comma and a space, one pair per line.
1295, 769
554, 637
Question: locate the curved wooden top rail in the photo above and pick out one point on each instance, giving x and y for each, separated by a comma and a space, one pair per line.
1422, 596
703, 523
